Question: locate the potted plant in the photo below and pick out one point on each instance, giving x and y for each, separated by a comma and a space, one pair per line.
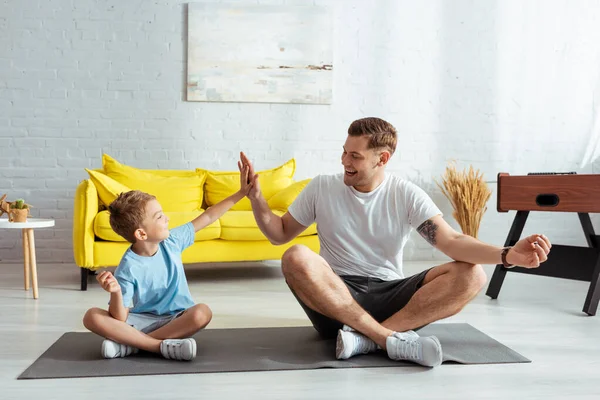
19, 210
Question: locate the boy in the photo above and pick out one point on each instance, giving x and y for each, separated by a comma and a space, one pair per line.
151, 276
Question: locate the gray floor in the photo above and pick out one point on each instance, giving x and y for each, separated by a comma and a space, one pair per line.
539, 317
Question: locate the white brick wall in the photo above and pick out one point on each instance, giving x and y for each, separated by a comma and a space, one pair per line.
506, 86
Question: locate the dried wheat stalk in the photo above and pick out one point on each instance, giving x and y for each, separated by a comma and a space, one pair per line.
468, 193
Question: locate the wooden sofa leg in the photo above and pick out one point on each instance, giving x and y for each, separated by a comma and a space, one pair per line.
84, 278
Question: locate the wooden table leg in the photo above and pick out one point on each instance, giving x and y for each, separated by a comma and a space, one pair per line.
26, 266
31, 242
513, 237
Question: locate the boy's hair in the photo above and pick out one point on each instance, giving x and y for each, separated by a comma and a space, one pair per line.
127, 212
381, 133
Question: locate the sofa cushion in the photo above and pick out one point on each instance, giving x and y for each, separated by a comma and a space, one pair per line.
174, 193
222, 184
108, 189
110, 165
241, 225
103, 230
283, 199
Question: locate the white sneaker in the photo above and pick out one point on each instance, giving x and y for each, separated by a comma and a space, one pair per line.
408, 345
112, 349
178, 349
350, 343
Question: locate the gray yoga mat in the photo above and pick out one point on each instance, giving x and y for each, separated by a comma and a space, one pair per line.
77, 354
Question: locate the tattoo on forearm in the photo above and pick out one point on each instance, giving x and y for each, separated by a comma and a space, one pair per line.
428, 231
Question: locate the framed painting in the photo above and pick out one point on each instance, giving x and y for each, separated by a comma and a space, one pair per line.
259, 53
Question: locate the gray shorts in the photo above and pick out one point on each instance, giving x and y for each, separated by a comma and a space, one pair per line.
150, 322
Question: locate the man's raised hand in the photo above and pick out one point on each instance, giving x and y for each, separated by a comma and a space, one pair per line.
254, 191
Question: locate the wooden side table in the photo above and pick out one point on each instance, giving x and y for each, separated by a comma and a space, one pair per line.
29, 262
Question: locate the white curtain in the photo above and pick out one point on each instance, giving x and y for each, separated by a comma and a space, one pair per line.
592, 151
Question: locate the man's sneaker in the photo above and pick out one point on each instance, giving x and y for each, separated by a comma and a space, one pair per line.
350, 343
410, 346
112, 349
178, 349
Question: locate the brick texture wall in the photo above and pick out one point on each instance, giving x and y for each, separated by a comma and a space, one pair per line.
504, 86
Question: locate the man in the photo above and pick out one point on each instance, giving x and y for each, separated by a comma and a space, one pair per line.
355, 287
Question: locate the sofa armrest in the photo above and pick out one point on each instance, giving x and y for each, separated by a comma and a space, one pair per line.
84, 212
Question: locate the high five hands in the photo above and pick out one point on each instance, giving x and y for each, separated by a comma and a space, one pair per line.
247, 172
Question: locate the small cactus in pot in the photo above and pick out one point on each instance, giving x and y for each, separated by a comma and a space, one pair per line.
19, 204
19, 210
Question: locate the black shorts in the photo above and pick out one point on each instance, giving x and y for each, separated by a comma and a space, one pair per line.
381, 299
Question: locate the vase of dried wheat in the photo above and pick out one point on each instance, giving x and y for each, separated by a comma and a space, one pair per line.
468, 194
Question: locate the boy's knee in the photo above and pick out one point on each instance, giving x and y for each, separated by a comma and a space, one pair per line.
202, 315
90, 318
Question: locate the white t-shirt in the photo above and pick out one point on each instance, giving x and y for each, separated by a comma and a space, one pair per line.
363, 233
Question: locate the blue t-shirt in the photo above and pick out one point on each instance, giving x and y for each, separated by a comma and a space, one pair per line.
157, 284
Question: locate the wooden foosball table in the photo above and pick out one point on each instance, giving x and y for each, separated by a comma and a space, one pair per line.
554, 192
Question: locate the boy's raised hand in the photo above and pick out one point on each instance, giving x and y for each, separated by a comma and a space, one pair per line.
254, 191
108, 282
245, 181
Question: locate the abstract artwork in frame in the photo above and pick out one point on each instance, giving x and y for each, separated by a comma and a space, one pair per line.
259, 53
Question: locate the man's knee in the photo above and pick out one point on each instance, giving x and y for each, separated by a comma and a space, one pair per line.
295, 260
473, 276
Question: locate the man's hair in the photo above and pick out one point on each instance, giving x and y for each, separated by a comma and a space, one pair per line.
127, 212
381, 133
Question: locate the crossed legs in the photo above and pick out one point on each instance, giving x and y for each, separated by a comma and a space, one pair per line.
445, 290
191, 321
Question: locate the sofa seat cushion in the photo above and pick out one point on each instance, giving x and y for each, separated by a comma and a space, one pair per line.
241, 226
103, 230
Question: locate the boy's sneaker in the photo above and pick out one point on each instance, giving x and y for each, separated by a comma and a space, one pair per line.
408, 345
112, 349
178, 349
350, 343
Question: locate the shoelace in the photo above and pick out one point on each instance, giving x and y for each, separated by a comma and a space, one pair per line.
173, 349
409, 349
361, 344
124, 350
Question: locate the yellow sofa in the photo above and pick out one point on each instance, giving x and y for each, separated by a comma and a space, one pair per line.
183, 194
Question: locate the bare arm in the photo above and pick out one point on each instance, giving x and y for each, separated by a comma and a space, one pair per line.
116, 308
215, 212
109, 283
279, 230
528, 252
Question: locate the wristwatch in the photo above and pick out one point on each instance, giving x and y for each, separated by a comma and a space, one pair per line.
503, 254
